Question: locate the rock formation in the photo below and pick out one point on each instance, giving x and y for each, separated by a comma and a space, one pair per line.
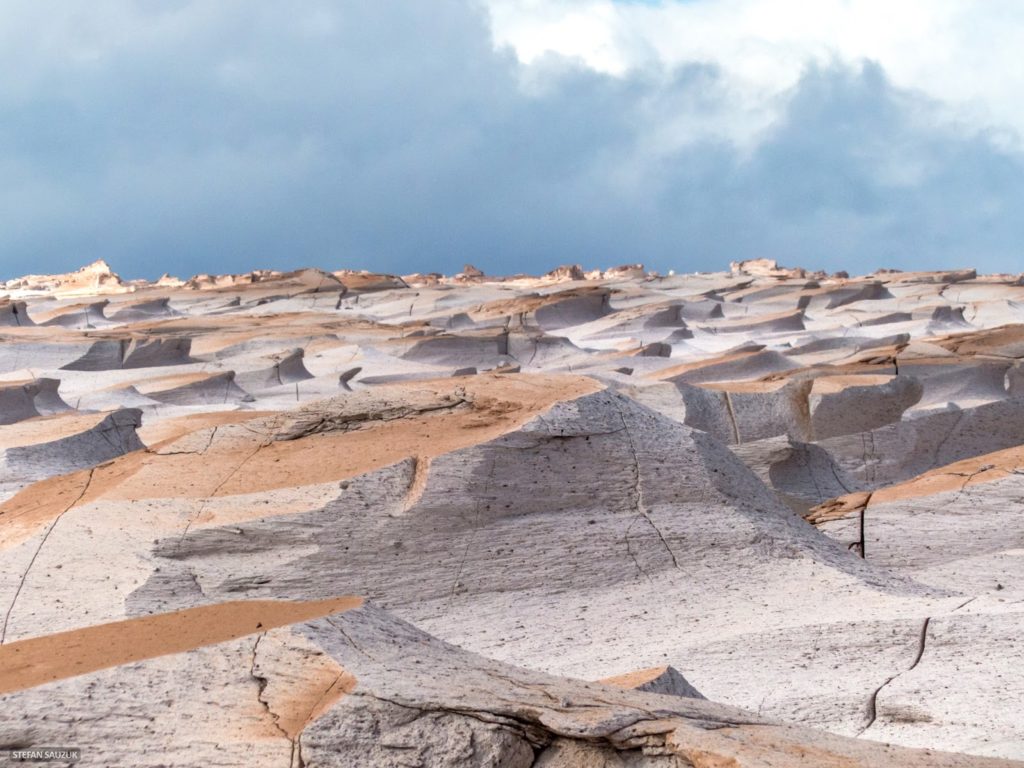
761, 517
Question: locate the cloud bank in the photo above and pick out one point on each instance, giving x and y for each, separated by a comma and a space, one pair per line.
397, 136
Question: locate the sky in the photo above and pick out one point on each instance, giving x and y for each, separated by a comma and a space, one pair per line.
516, 135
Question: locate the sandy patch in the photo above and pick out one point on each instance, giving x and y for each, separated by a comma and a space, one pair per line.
161, 432
40, 660
634, 679
47, 429
249, 460
675, 370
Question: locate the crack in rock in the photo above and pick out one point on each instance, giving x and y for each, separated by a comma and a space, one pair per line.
477, 513
304, 425
262, 682
873, 701
32, 561
216, 490
640, 508
732, 417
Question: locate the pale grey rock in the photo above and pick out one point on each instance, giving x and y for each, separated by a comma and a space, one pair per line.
215, 389
856, 408
112, 436
79, 316
26, 400
281, 369
612, 532
899, 451
133, 353
14, 314
140, 311
737, 416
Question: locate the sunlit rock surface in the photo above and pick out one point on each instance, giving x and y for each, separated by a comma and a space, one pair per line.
776, 513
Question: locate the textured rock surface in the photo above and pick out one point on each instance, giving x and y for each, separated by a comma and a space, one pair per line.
796, 496
363, 688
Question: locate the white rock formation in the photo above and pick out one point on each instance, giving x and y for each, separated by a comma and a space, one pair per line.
794, 495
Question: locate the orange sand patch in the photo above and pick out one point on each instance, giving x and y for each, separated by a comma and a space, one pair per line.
213, 333
524, 304
878, 355
676, 370
41, 660
735, 747
977, 469
250, 461
830, 385
305, 684
981, 343
745, 320
744, 387
168, 430
362, 281
951, 477
634, 679
852, 371
499, 404
32, 508
46, 429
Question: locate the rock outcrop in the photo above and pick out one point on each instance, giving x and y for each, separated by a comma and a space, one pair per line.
771, 517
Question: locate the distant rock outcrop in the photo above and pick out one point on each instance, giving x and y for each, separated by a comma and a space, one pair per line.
97, 277
567, 272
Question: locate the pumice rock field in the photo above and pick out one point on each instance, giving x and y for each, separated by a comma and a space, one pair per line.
759, 517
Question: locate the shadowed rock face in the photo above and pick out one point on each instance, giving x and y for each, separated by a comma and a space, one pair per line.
666, 680
14, 313
773, 513
133, 353
26, 400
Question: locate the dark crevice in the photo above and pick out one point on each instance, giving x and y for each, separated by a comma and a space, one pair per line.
629, 550
873, 701
863, 512
262, 683
732, 417
639, 507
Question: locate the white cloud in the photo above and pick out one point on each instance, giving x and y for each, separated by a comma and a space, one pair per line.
960, 52
197, 136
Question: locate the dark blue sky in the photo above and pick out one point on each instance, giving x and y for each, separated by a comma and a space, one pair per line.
197, 137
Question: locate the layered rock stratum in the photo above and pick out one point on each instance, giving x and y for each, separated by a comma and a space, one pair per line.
763, 517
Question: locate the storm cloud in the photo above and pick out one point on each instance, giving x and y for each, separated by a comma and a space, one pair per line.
395, 136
